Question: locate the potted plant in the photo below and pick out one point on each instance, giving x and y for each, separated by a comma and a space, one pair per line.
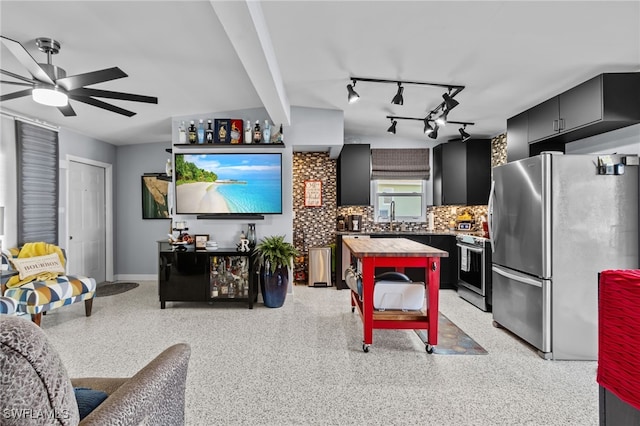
274, 256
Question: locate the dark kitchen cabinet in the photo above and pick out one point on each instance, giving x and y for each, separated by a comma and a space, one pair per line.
354, 175
606, 102
517, 137
462, 172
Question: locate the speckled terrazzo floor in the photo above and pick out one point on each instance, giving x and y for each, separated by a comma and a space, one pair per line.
303, 364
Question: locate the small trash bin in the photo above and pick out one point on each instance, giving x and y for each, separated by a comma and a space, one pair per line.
320, 267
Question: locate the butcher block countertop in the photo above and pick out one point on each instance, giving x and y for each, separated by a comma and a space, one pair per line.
391, 247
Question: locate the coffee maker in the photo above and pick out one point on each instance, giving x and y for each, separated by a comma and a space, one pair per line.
355, 222
341, 223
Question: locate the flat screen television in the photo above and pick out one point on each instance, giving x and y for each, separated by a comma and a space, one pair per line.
228, 183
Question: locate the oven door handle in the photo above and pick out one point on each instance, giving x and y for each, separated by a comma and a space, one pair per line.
471, 248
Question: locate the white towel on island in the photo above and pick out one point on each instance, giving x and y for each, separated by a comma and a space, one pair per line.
464, 259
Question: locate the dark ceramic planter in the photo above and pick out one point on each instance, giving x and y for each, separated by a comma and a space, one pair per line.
274, 286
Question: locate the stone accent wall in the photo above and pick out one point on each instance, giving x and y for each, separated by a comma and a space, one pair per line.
499, 150
314, 226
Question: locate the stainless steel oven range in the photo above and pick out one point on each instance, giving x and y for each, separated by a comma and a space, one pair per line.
474, 270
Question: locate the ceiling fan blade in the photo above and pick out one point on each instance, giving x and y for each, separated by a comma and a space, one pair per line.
15, 95
83, 91
103, 105
16, 76
16, 83
79, 80
67, 110
26, 60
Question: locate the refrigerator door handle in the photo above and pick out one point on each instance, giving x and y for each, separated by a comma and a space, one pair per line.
520, 278
490, 214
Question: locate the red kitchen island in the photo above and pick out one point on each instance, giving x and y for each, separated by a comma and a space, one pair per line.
398, 253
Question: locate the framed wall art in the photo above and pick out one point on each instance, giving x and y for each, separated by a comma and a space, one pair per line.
312, 193
201, 241
154, 196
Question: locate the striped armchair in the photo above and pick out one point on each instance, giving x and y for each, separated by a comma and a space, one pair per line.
39, 296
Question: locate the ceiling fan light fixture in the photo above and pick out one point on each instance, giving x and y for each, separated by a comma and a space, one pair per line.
50, 96
398, 99
352, 94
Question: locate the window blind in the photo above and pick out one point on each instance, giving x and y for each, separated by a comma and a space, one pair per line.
37, 153
400, 163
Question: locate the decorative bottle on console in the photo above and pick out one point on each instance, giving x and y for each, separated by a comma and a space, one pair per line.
193, 135
201, 131
209, 132
182, 133
266, 132
257, 133
214, 277
248, 134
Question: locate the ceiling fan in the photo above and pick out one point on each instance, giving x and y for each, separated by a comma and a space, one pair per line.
51, 86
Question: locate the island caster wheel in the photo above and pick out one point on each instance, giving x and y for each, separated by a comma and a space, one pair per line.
365, 347
429, 348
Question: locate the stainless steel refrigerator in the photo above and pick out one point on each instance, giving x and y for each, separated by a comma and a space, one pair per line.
554, 224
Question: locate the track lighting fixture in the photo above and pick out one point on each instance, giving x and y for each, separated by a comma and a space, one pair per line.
353, 95
392, 128
427, 127
449, 102
442, 120
397, 99
464, 135
434, 134
431, 126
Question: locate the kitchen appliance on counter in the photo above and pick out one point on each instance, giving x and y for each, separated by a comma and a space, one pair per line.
341, 223
355, 222
474, 270
554, 223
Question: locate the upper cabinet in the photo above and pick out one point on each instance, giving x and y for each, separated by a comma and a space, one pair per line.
354, 175
462, 172
606, 102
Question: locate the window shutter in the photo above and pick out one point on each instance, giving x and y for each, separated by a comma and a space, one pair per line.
400, 163
37, 153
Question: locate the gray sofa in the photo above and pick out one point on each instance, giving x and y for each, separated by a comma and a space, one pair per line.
36, 389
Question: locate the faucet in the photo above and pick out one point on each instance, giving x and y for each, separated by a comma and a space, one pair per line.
392, 215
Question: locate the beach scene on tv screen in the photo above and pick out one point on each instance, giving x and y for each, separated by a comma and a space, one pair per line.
228, 183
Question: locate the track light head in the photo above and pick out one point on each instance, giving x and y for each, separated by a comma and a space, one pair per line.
392, 128
352, 94
397, 99
427, 127
442, 120
449, 102
464, 135
434, 133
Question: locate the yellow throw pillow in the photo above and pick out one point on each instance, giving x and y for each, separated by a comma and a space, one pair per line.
30, 266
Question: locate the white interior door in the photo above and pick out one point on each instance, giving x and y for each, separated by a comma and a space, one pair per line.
87, 221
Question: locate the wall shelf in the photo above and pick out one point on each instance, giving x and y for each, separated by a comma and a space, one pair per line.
228, 145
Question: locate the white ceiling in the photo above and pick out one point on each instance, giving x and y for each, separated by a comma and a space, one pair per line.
510, 55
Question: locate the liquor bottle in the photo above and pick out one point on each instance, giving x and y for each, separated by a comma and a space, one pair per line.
182, 133
209, 132
248, 136
266, 132
231, 282
214, 278
223, 286
257, 133
193, 136
280, 135
201, 131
